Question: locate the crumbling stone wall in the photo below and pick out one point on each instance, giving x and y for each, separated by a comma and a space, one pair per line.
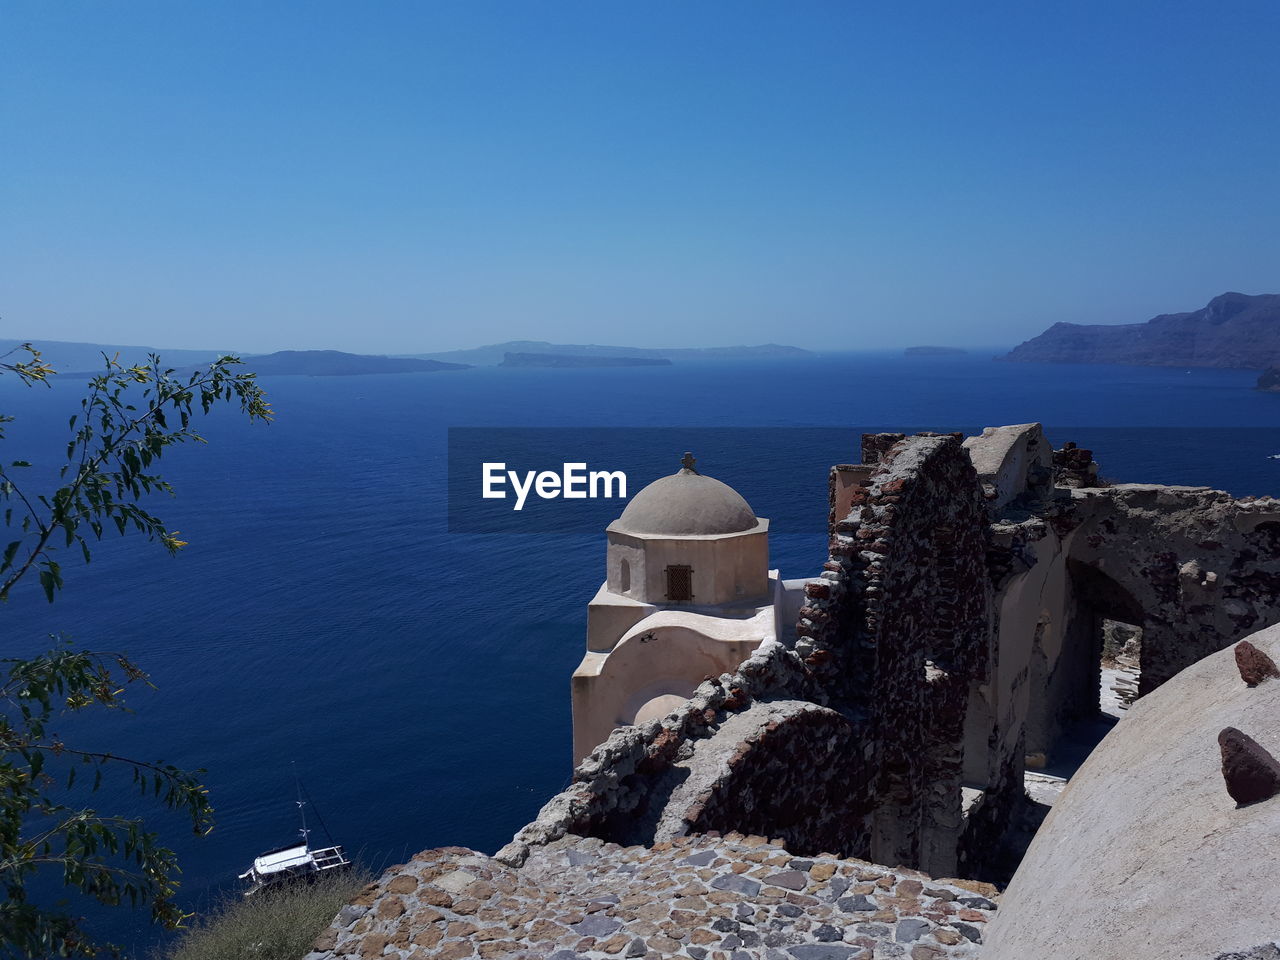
1074, 466
800, 776
1203, 566
1194, 567
854, 741
626, 790
951, 631
917, 640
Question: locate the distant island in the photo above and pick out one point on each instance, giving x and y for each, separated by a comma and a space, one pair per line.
934, 352
494, 354
86, 359
561, 360
69, 356
75, 359
1269, 382
335, 363
1233, 330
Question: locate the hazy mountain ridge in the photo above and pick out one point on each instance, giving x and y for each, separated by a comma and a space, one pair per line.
563, 361
70, 356
1232, 330
335, 363
492, 354
86, 359
80, 358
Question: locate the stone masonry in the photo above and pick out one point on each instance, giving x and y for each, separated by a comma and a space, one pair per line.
708, 897
955, 628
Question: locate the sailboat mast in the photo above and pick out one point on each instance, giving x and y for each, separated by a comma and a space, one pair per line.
302, 813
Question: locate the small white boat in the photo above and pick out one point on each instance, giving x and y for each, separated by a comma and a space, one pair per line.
1273, 456
298, 861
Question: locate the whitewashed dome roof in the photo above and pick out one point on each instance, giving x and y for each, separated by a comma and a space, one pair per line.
687, 504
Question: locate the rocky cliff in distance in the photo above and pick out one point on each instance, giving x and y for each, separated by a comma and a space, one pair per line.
1269, 382
1233, 330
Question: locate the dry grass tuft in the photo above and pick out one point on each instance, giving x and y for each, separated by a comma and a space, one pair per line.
280, 924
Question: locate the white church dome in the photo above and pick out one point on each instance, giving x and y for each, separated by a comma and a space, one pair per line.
687, 504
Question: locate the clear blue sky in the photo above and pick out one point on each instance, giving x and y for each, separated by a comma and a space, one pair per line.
409, 176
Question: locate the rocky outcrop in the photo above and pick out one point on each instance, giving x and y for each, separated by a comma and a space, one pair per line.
706, 897
1233, 330
1269, 381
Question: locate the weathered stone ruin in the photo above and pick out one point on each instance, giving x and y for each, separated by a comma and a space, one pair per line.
956, 628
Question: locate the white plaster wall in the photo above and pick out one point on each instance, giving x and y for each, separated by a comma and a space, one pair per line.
1145, 856
790, 598
624, 548
610, 616
667, 653
733, 568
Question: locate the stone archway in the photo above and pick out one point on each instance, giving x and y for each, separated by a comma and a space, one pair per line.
787, 769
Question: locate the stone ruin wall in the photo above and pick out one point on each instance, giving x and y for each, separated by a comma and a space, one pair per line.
817, 745
912, 549
950, 633
1202, 566
635, 787
1195, 568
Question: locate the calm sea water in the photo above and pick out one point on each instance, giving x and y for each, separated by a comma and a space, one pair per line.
324, 616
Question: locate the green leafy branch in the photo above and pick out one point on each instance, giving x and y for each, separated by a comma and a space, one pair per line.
112, 859
129, 418
109, 457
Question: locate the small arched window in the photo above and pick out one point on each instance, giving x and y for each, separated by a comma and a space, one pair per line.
624, 575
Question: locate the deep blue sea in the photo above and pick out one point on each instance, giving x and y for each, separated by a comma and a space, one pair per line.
324, 616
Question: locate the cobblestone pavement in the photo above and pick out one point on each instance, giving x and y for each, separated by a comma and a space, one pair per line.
706, 897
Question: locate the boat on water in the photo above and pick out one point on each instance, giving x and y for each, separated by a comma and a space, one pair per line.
298, 861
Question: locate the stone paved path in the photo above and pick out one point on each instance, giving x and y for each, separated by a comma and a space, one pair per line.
706, 897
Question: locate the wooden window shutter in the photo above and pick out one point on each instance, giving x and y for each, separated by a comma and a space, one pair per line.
679, 583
